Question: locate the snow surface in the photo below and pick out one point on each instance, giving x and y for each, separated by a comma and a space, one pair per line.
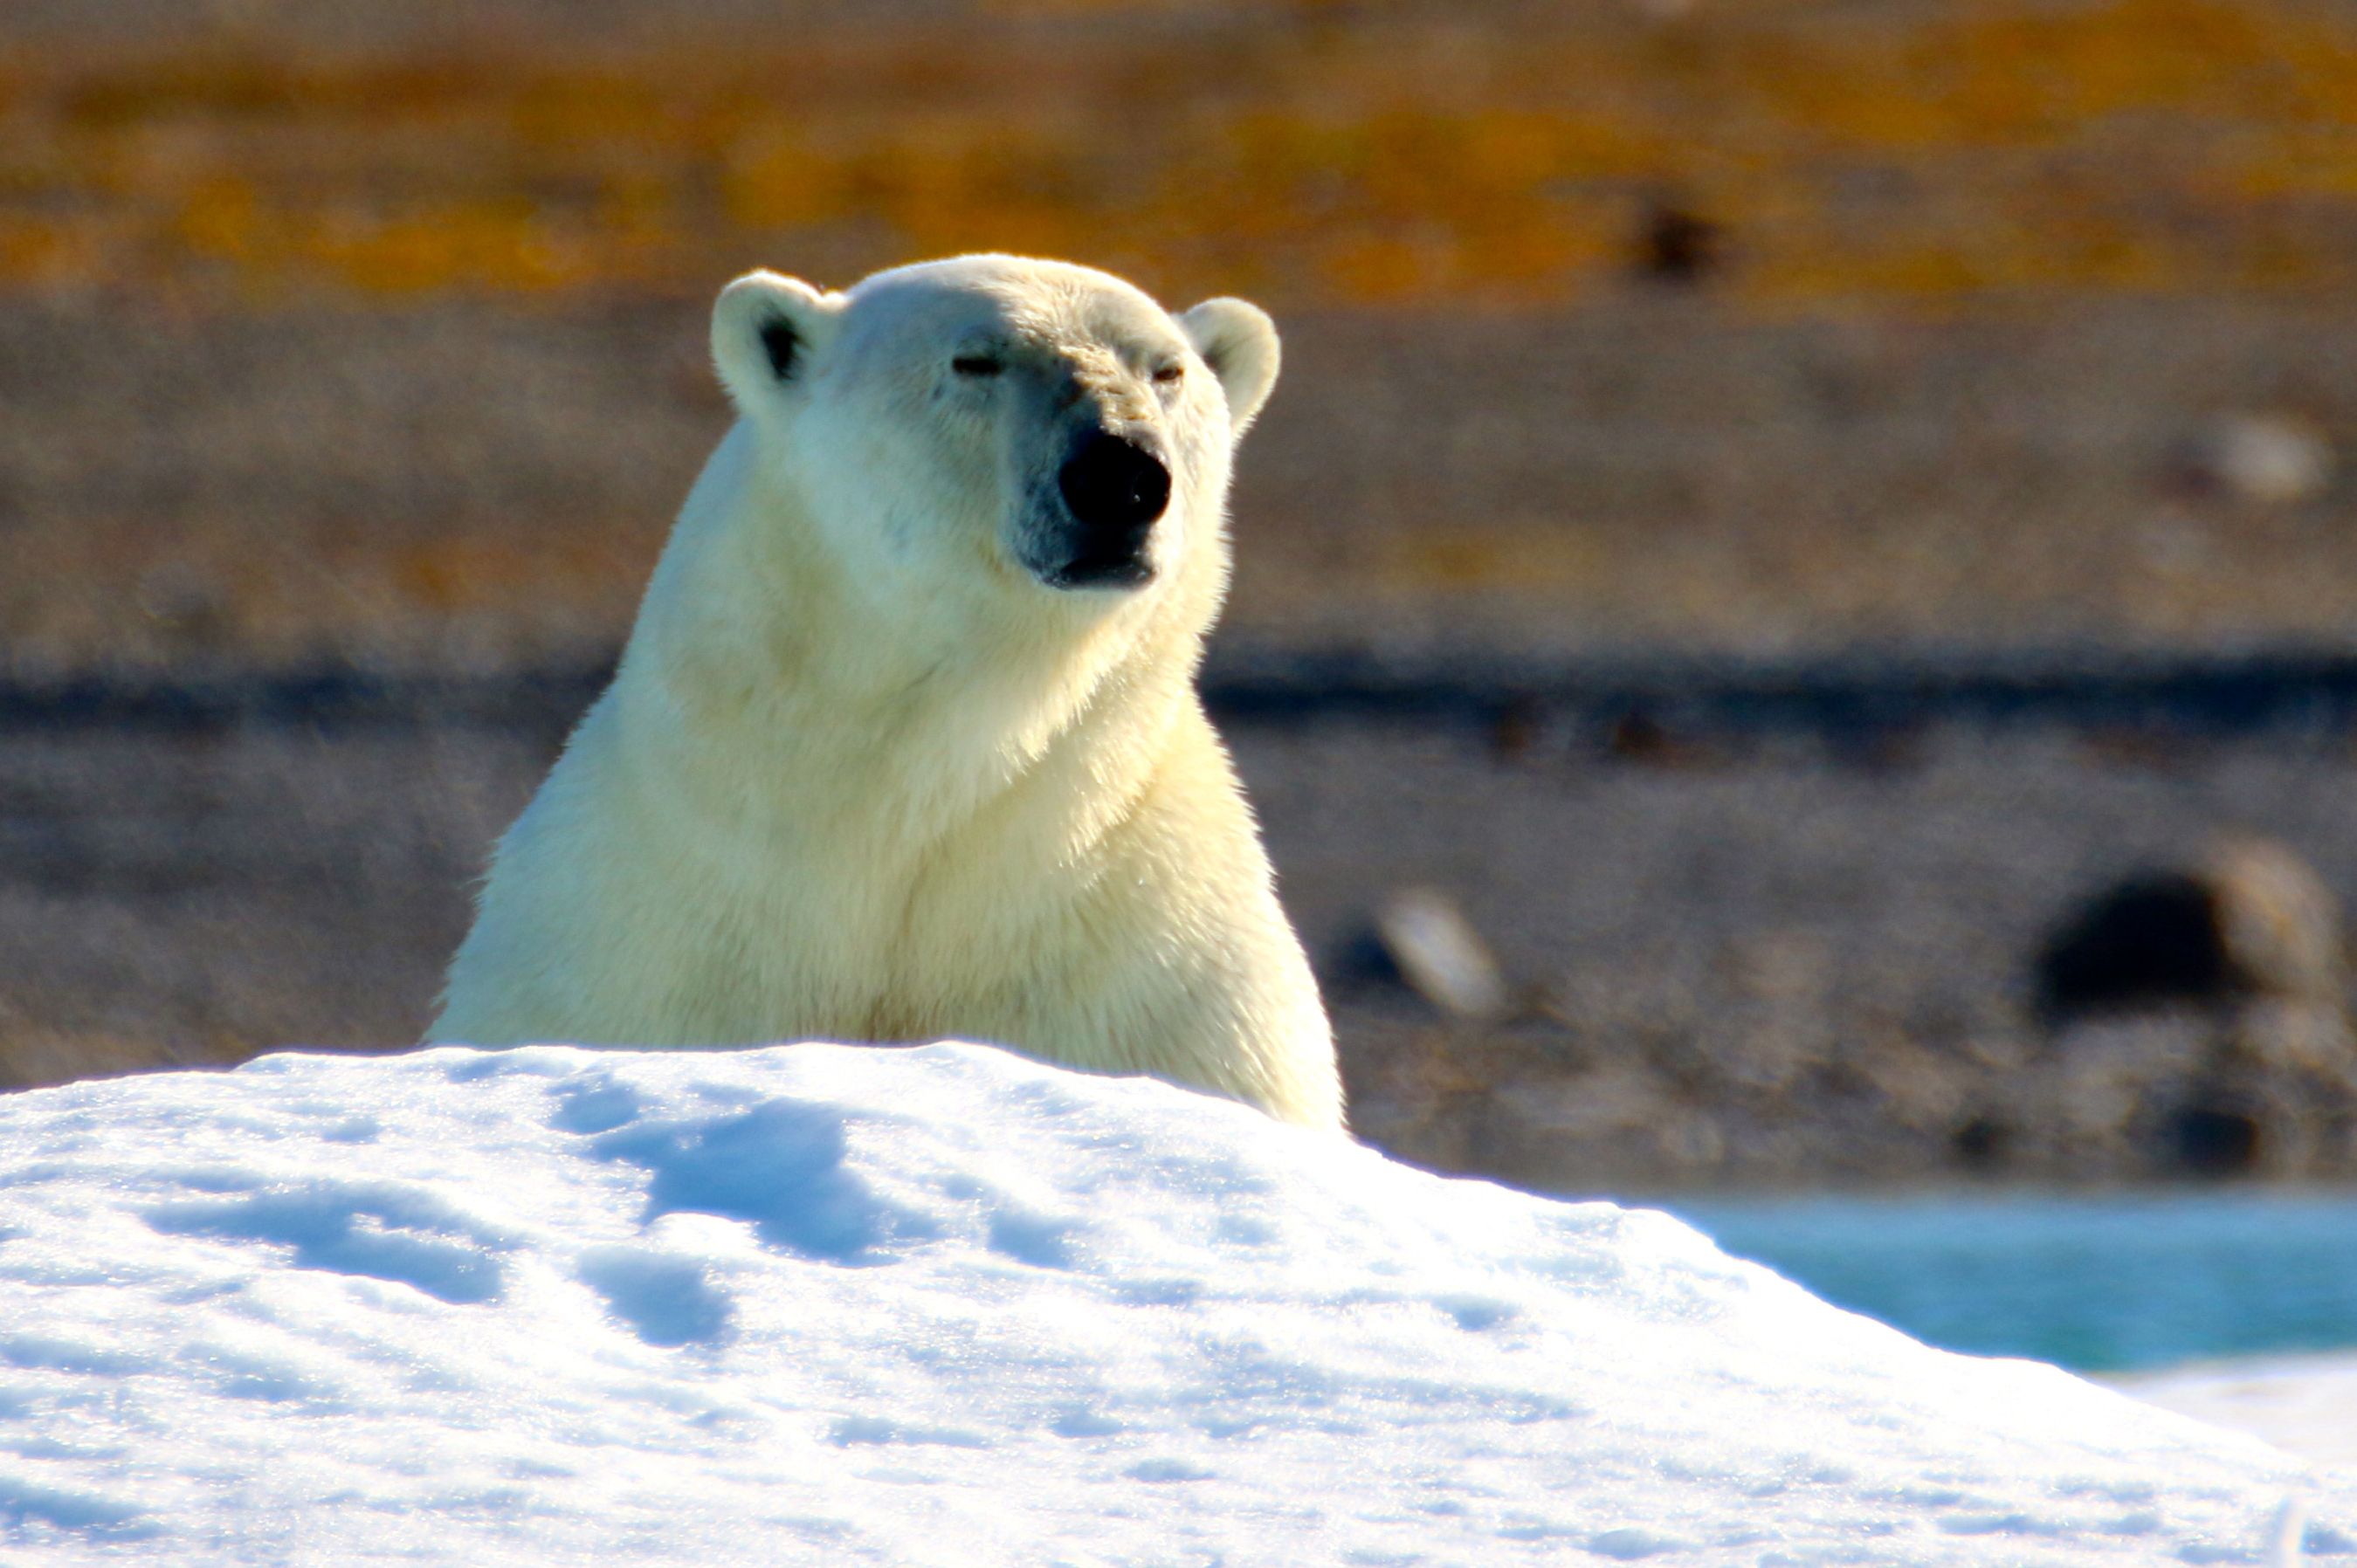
945, 1306
2304, 1404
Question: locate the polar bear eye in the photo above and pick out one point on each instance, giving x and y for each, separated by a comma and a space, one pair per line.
977, 365
1168, 374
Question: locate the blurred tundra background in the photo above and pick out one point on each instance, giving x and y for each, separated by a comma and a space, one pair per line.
1795, 622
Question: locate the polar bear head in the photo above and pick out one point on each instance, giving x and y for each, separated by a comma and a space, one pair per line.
992, 426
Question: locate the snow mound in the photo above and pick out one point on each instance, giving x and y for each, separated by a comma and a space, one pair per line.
843, 1305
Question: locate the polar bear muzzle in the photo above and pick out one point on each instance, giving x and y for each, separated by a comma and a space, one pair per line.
1114, 491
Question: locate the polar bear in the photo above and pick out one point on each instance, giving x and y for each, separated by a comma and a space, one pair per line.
905, 744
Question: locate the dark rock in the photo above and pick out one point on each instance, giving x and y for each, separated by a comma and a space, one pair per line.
2146, 942
1637, 736
1680, 246
1517, 727
1982, 1143
2210, 1140
2248, 920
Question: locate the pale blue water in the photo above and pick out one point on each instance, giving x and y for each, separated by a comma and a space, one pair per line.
2096, 1284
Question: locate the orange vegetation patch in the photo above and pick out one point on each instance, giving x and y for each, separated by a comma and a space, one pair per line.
1919, 152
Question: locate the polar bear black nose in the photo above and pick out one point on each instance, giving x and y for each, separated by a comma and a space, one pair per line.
1112, 485
1115, 490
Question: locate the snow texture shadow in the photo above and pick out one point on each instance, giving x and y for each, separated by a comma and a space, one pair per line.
666, 1301
778, 1166
47, 1353
371, 1228
857, 1430
1041, 1240
24, 1503
594, 1105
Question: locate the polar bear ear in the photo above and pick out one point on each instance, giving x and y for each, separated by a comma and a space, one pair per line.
1238, 340
767, 331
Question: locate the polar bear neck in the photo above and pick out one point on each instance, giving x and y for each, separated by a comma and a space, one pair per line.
753, 704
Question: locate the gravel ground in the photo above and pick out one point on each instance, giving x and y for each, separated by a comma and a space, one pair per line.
1779, 962
189, 898
453, 486
1744, 960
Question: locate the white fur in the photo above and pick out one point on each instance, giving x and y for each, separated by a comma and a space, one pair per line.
863, 774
